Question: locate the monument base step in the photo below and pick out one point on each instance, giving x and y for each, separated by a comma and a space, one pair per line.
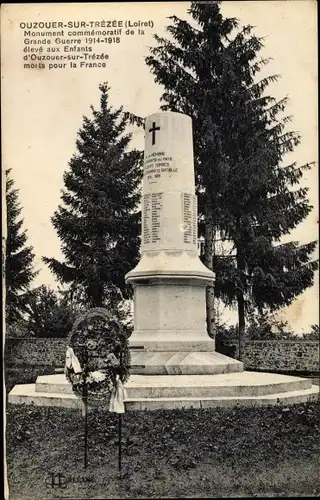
26, 394
177, 391
179, 363
240, 384
182, 363
287, 398
170, 344
171, 340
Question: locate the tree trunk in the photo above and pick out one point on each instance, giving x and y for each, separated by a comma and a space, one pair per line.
242, 324
241, 306
208, 254
97, 289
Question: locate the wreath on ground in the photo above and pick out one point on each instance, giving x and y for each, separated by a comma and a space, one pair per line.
102, 350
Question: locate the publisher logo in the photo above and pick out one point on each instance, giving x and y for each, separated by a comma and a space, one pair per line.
56, 480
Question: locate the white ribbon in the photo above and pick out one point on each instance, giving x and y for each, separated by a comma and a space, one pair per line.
72, 361
117, 398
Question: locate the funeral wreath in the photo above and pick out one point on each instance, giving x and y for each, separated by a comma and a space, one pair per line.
97, 356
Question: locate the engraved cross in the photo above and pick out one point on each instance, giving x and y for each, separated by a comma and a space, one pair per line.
153, 130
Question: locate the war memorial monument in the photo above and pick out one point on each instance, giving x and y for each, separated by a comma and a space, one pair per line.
173, 360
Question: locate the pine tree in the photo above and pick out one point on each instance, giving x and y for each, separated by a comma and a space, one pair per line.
99, 222
19, 257
48, 314
247, 195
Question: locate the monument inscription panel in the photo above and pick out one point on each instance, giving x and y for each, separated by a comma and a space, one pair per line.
156, 165
152, 218
189, 218
146, 219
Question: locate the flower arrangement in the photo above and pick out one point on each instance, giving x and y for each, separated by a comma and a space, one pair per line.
102, 351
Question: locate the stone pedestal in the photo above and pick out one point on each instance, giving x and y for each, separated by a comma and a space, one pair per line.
170, 315
170, 280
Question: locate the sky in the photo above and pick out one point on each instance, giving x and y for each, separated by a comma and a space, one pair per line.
42, 109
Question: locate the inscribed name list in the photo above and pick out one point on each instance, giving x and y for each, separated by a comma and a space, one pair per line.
152, 216
189, 217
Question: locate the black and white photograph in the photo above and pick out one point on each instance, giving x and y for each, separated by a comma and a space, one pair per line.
160, 250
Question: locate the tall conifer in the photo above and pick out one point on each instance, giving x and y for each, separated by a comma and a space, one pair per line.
248, 196
19, 266
98, 220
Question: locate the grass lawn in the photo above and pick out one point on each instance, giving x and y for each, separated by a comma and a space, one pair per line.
270, 451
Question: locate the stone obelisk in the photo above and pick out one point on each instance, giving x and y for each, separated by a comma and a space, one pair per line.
169, 281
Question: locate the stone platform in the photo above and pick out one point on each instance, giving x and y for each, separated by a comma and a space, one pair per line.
196, 376
152, 392
185, 362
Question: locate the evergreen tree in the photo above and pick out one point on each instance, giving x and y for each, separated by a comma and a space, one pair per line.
247, 196
98, 222
48, 314
19, 257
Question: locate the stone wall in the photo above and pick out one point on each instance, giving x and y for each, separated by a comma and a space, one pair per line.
280, 355
35, 352
268, 355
